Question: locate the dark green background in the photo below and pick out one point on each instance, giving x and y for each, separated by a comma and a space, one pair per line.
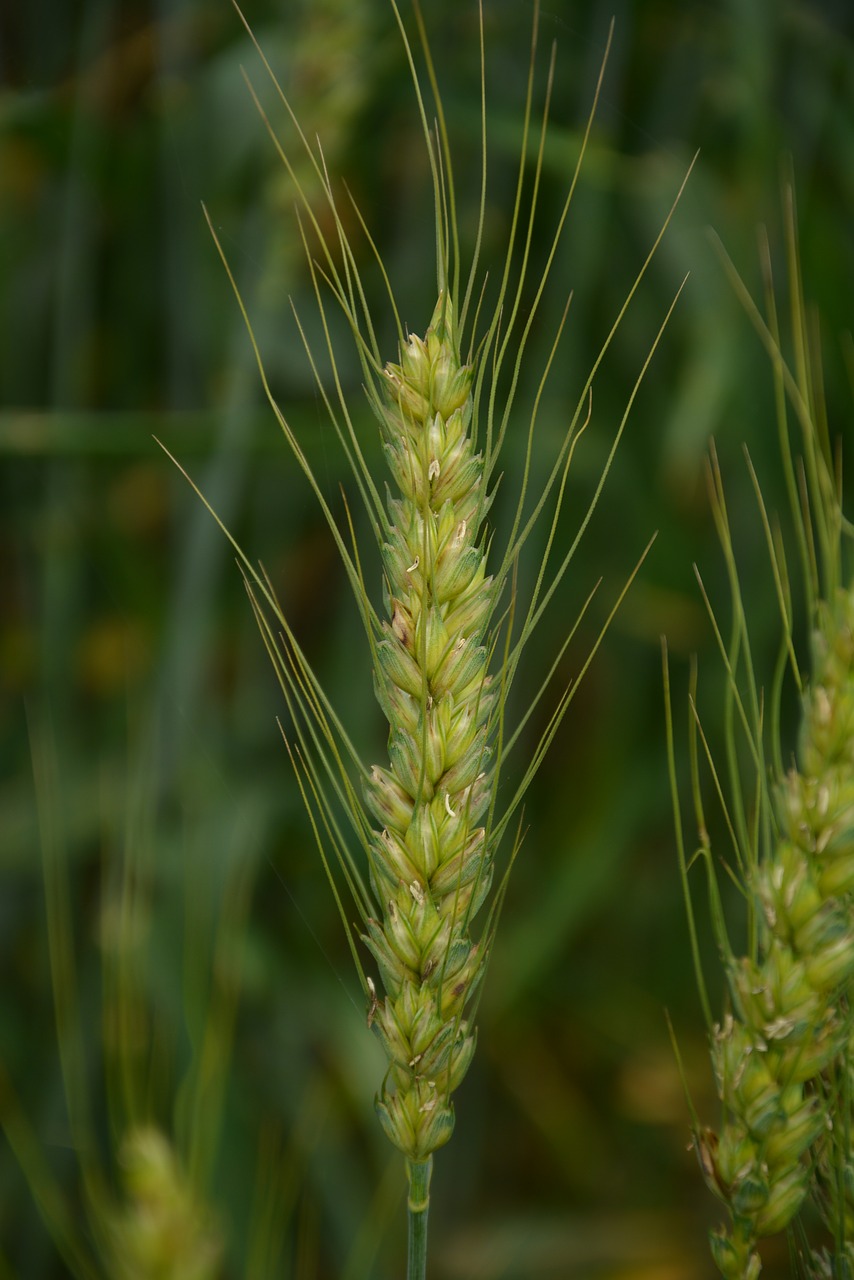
128, 649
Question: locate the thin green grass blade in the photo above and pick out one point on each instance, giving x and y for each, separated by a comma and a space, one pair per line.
60, 1221
566, 698
538, 606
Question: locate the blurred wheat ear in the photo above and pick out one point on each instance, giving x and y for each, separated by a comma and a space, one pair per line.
782, 1052
412, 843
144, 1208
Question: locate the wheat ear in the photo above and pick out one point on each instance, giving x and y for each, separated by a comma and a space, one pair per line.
790, 1022
429, 862
782, 1054
431, 865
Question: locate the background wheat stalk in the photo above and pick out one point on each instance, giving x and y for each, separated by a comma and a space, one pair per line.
782, 1052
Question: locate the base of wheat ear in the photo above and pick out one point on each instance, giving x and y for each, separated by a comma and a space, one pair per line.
431, 864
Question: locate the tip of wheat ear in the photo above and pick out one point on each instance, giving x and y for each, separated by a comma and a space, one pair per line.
431, 861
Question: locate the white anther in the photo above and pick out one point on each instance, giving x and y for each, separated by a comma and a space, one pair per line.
448, 810
430, 1103
415, 563
461, 531
417, 894
433, 470
375, 1004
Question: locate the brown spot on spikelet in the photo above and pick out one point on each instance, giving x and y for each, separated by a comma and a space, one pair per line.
400, 626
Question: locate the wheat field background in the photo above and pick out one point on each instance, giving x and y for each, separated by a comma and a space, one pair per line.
143, 775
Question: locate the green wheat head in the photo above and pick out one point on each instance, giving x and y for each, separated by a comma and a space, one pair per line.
431, 863
782, 1052
412, 841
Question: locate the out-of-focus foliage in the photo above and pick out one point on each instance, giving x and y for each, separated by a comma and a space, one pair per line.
137, 719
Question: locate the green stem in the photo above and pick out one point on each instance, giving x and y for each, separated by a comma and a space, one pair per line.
418, 1206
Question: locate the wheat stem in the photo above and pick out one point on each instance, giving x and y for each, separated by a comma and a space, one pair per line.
418, 1173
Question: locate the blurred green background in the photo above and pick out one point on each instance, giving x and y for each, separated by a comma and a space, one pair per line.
141, 760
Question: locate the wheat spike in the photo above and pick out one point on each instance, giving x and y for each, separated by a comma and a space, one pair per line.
431, 863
